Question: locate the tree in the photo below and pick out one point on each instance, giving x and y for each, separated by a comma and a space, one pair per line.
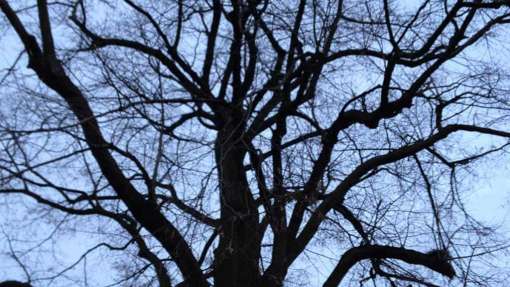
229, 140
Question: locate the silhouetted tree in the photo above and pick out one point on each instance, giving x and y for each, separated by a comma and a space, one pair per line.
238, 143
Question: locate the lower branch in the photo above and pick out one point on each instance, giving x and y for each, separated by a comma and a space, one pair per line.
12, 283
354, 255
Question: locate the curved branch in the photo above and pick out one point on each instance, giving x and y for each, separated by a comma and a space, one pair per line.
12, 283
337, 196
53, 75
357, 254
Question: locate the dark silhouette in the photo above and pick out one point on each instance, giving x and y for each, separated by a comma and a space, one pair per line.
231, 142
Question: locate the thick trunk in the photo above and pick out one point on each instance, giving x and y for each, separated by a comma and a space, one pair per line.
238, 252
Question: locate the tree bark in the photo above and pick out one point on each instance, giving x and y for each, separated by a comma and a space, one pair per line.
238, 252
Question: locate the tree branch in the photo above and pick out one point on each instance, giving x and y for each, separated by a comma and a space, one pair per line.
357, 254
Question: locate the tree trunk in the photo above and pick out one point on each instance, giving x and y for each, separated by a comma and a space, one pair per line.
238, 252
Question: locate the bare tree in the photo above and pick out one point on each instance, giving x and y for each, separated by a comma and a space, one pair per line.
239, 143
